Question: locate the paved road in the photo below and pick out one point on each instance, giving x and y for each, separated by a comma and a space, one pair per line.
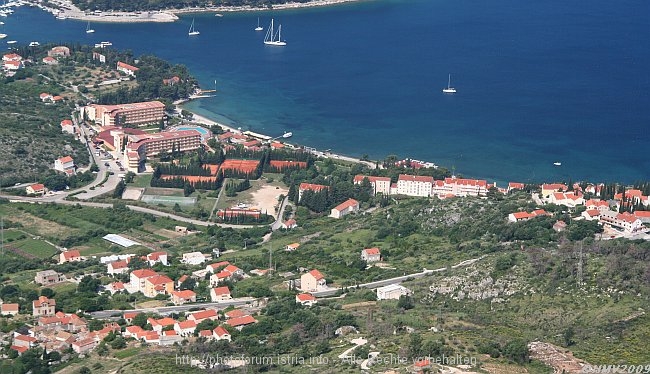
386, 282
278, 221
177, 308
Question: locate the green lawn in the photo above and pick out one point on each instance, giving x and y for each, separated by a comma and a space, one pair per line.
36, 247
141, 181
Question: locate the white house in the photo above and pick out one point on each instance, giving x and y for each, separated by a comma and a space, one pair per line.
155, 257
625, 221
220, 293
67, 126
220, 333
414, 185
138, 278
193, 258
185, 328
345, 208
371, 255
392, 291
64, 164
306, 299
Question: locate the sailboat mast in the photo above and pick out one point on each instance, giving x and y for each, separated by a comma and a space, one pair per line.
449, 81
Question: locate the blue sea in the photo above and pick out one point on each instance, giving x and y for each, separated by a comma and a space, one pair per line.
538, 82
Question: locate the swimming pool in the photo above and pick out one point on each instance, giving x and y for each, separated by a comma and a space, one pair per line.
204, 132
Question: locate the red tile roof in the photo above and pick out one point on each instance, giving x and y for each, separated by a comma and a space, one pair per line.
189, 324
66, 159
220, 331
123, 65
642, 213
235, 313
241, 321
220, 291
203, 314
306, 297
347, 204
415, 178
185, 294
372, 251
37, 187
371, 179
71, 254
312, 187
144, 273
316, 274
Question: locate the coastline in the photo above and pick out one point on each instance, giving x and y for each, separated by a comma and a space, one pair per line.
171, 15
200, 119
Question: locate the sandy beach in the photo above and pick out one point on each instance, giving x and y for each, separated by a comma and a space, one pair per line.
69, 10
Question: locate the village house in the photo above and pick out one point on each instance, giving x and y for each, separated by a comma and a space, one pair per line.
193, 258
214, 268
158, 285
84, 345
185, 328
289, 224
115, 287
525, 216
132, 331
624, 221
36, 189
292, 247
591, 214
24, 341
117, 267
65, 165
182, 297
47, 277
380, 185
203, 315
67, 126
159, 324
643, 215
569, 199
59, 51
220, 293
371, 255
157, 257
310, 187
43, 307
633, 196
345, 208
548, 189
126, 68
229, 272
240, 322
413, 185
169, 337
559, 226
515, 186
129, 316
601, 205
180, 280
306, 299
9, 309
312, 281
220, 333
392, 291
69, 256
44, 96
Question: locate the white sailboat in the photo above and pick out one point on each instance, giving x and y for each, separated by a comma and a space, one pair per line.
258, 28
449, 88
88, 29
2, 36
192, 31
270, 38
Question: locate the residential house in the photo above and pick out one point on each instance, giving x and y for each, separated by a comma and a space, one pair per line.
59, 51
624, 221
193, 258
69, 256
12, 57
138, 277
129, 316
548, 189
220, 293
117, 267
312, 281
185, 328
9, 309
115, 287
524, 216
220, 333
240, 322
289, 224
43, 306
132, 331
345, 208
180, 280
26, 341
36, 189
515, 186
229, 272
203, 315
310, 187
47, 60
158, 285
156, 257
392, 291
413, 185
84, 345
597, 204
591, 214
126, 68
159, 324
169, 337
214, 268
569, 199
371, 255
64, 164
379, 184
44, 96
559, 226
47, 277
306, 299
67, 126
292, 247
182, 297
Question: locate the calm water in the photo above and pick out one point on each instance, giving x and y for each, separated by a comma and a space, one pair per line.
538, 82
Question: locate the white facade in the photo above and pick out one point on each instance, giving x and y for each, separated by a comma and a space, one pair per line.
392, 291
412, 185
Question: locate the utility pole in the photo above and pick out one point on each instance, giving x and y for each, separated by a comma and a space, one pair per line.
270, 260
2, 236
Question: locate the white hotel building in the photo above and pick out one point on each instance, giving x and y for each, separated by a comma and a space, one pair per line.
414, 185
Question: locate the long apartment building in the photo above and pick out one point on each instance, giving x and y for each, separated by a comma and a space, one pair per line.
460, 187
379, 184
139, 147
414, 185
139, 114
424, 186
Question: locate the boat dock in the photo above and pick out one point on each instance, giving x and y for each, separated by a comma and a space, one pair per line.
256, 135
